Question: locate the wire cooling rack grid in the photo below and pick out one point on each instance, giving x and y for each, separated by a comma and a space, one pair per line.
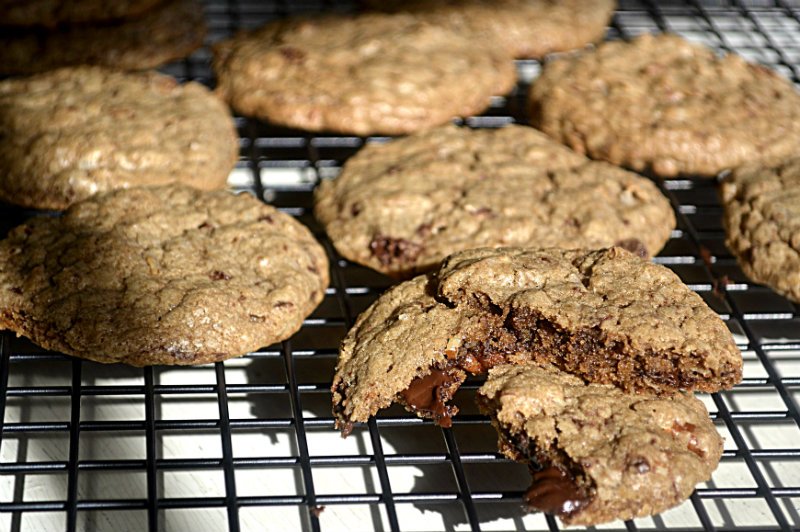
249, 444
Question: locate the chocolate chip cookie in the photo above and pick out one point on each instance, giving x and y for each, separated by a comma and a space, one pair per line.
72, 132
374, 73
51, 13
596, 453
663, 104
606, 316
170, 31
762, 222
523, 28
160, 275
403, 206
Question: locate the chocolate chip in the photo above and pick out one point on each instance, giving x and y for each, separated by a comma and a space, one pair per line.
390, 250
206, 226
217, 275
17, 290
554, 491
431, 393
266, 218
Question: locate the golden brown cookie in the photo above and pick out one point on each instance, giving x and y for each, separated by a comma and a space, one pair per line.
72, 132
403, 206
160, 275
597, 453
374, 73
52, 13
607, 316
170, 31
663, 104
524, 28
762, 222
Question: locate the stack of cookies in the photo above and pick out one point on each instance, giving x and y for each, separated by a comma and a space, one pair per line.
592, 356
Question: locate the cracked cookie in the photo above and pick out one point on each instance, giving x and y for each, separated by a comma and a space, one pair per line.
663, 104
160, 275
374, 73
403, 206
523, 28
762, 223
596, 453
605, 315
169, 31
76, 131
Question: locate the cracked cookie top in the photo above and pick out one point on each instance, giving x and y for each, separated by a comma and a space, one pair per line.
762, 222
372, 73
83, 130
160, 275
605, 315
598, 454
403, 206
664, 104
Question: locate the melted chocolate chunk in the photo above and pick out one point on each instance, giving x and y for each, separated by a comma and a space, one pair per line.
390, 250
554, 491
431, 392
634, 245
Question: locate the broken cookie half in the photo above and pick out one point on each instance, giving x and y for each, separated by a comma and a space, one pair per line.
606, 316
597, 453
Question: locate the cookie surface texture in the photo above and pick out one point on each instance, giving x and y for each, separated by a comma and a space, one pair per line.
607, 316
375, 73
524, 28
762, 223
169, 31
403, 206
51, 13
598, 454
160, 275
76, 131
663, 104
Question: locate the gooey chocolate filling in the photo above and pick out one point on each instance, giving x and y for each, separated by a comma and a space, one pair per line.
554, 491
558, 486
430, 394
505, 336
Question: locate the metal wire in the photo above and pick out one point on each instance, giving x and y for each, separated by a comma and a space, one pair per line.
459, 487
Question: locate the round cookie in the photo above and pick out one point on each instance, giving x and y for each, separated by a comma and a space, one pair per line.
403, 206
169, 31
596, 453
606, 315
375, 73
662, 104
72, 132
762, 222
523, 28
51, 13
160, 275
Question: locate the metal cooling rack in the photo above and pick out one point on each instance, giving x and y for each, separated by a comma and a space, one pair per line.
249, 444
